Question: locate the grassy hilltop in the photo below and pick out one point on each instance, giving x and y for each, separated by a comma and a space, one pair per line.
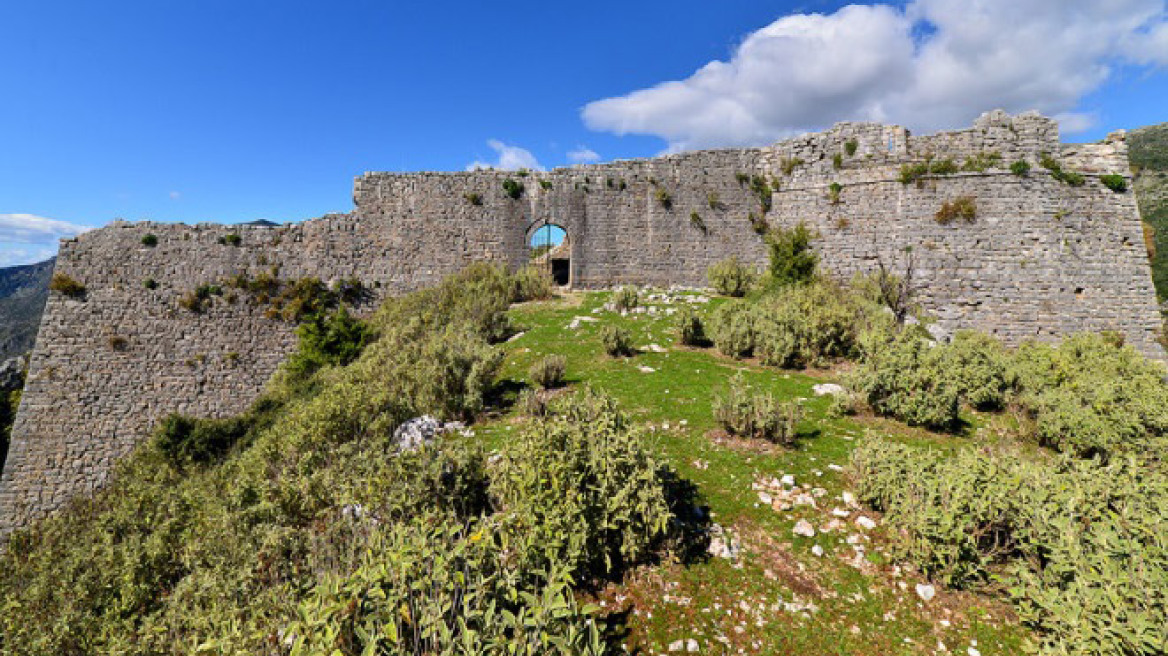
644, 470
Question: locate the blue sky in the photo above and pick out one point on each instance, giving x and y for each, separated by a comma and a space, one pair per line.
232, 111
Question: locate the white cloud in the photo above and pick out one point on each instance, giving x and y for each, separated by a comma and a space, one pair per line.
583, 155
15, 256
32, 229
174, 195
511, 158
27, 238
934, 64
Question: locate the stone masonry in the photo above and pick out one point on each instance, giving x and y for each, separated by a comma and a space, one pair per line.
1042, 259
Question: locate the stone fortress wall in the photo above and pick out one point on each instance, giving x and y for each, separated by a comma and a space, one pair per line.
1042, 259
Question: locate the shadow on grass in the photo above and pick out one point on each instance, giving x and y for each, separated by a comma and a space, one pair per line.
689, 531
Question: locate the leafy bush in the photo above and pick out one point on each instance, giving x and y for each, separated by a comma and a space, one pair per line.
1114, 182
149, 240
732, 328
1020, 168
903, 375
910, 173
980, 368
231, 239
1070, 178
731, 277
1079, 546
788, 165
663, 197
837, 161
982, 161
548, 371
532, 283
696, 221
850, 147
150, 283
581, 489
441, 586
335, 339
690, 331
616, 340
625, 299
762, 190
513, 188
66, 285
758, 416
833, 193
806, 325
184, 440
474, 198
791, 258
1091, 396
962, 207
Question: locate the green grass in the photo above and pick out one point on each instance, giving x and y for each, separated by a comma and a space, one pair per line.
776, 567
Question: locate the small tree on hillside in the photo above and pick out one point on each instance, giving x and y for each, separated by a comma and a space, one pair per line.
792, 260
896, 291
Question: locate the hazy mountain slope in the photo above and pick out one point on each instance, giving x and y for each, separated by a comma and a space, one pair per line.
23, 291
1149, 158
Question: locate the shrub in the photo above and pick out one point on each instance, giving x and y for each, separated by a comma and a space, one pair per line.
118, 343
850, 147
1070, 178
1091, 396
532, 402
730, 277
791, 258
546, 185
758, 224
548, 371
982, 161
762, 190
67, 286
902, 375
231, 239
149, 240
513, 188
690, 331
806, 325
532, 283
788, 165
757, 416
962, 207
334, 339
582, 490
187, 440
910, 173
979, 366
199, 299
696, 221
616, 340
713, 201
1114, 182
732, 328
625, 299
663, 197
837, 161
150, 283
833, 193
474, 198
742, 178
1074, 543
1020, 168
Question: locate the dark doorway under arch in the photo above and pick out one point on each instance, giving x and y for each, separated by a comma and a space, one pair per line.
551, 247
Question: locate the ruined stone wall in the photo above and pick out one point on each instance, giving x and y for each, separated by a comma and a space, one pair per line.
1041, 259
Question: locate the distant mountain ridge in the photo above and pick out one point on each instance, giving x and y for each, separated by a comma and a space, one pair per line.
23, 292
